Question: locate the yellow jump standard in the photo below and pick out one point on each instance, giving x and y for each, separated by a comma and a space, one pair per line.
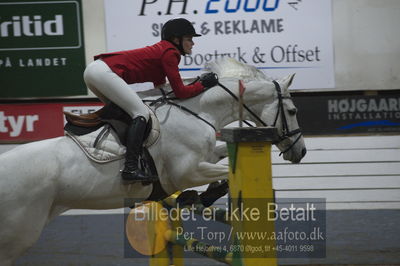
250, 185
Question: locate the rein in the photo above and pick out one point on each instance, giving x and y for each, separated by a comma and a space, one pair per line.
164, 99
285, 130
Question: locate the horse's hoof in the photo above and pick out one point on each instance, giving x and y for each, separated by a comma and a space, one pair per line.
188, 197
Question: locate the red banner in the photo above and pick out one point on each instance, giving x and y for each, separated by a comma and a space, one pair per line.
30, 122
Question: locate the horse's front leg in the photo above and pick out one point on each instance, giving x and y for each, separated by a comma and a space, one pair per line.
220, 152
208, 172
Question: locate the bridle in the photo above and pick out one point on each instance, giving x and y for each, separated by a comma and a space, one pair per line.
286, 132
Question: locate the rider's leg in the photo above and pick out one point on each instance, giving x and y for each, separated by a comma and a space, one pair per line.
134, 143
106, 84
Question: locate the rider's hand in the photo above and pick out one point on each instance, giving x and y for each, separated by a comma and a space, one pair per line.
209, 80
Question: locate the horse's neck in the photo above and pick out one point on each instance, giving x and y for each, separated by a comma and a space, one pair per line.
222, 109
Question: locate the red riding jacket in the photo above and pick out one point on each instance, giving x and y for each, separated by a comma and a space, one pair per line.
151, 64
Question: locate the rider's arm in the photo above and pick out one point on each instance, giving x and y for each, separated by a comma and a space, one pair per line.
170, 62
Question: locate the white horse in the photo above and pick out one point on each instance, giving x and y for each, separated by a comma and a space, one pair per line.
40, 180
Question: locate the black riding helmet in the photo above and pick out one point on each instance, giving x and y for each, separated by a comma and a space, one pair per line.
178, 27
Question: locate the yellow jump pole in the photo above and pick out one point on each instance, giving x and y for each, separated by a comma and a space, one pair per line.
250, 184
175, 255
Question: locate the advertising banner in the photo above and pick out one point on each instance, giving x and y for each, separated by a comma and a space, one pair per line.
323, 115
30, 122
279, 37
337, 115
41, 49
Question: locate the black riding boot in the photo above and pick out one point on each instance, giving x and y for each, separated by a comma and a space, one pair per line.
134, 143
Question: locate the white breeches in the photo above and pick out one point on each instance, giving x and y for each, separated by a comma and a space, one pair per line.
108, 86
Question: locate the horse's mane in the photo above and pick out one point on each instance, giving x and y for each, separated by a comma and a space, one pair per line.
228, 67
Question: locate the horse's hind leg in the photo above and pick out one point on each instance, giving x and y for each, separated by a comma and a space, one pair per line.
20, 230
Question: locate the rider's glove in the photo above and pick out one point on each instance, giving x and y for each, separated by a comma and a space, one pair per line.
209, 80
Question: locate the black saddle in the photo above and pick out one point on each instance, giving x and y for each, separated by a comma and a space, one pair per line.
110, 114
116, 118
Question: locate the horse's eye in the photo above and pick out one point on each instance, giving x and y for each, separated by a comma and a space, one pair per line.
292, 111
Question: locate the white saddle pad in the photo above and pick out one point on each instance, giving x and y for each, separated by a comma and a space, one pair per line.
103, 145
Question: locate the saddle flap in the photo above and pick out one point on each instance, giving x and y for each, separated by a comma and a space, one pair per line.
103, 149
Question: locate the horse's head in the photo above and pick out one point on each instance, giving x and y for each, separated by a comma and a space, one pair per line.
281, 113
268, 103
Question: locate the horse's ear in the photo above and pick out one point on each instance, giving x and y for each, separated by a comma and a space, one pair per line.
288, 79
291, 79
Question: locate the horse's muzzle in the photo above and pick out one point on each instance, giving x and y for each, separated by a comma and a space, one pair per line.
303, 152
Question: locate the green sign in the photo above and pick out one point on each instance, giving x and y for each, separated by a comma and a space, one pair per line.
41, 49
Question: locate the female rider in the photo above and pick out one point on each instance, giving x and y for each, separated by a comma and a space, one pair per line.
109, 75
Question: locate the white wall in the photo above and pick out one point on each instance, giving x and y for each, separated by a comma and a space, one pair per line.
366, 41
94, 30
367, 44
